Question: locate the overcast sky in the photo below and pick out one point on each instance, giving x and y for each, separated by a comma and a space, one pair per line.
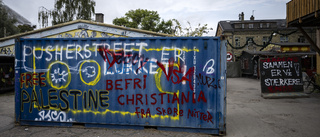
195, 11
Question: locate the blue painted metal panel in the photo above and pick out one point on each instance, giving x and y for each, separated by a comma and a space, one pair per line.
164, 82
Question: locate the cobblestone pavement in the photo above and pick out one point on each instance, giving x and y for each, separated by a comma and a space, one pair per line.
248, 115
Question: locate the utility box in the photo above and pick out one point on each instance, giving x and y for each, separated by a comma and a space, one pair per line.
171, 83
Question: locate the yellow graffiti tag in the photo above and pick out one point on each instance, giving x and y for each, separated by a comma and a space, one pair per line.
158, 84
170, 49
97, 79
49, 79
80, 33
134, 49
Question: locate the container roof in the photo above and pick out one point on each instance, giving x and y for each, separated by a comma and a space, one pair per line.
82, 21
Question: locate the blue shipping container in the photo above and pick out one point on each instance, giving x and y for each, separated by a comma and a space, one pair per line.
172, 83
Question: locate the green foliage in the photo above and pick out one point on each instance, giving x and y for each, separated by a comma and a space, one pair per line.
67, 10
144, 19
189, 31
6, 23
43, 16
150, 20
165, 27
25, 28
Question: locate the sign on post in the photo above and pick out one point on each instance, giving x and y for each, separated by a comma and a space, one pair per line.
229, 56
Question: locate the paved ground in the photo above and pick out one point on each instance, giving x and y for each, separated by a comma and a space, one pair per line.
248, 115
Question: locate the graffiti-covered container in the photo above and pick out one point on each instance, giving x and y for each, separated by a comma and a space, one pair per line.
172, 83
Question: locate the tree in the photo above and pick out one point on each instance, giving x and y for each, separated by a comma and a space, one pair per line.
166, 27
25, 28
67, 10
189, 31
150, 20
144, 19
7, 26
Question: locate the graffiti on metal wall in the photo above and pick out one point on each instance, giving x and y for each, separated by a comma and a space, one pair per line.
53, 116
7, 51
62, 81
85, 33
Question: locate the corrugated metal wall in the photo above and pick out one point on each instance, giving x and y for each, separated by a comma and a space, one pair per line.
163, 82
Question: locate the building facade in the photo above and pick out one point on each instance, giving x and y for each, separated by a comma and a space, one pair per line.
254, 35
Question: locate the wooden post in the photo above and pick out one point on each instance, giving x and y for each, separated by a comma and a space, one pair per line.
318, 57
313, 45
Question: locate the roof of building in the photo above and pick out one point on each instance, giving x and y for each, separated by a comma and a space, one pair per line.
268, 53
230, 25
290, 44
20, 20
72, 25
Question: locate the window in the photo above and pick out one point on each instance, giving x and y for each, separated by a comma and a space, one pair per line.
301, 39
249, 39
250, 45
237, 26
284, 39
242, 26
265, 39
250, 26
237, 41
268, 25
261, 25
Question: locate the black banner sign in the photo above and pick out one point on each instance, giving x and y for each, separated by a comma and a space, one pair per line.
281, 75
